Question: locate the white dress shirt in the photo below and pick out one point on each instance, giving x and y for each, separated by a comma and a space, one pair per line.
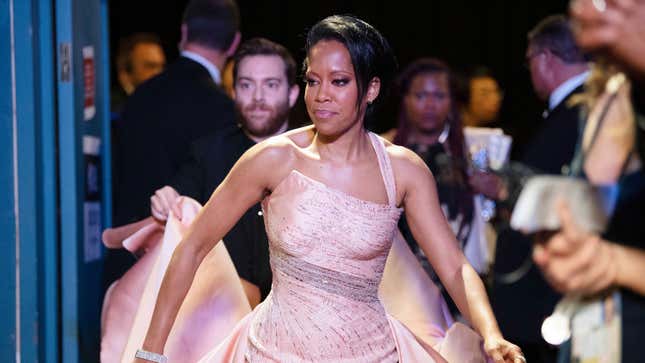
566, 88
212, 69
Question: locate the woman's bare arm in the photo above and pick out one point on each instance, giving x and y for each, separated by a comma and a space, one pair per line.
257, 171
430, 228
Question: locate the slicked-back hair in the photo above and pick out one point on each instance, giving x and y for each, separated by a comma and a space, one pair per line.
263, 46
465, 79
554, 33
369, 51
212, 23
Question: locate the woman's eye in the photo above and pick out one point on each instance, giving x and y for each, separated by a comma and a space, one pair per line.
310, 82
340, 82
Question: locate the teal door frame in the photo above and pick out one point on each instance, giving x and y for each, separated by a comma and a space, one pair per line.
49, 305
84, 139
28, 222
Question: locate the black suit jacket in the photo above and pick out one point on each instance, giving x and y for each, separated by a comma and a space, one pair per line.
521, 307
158, 124
212, 157
553, 146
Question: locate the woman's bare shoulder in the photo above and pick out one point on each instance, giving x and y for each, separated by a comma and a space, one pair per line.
289, 141
301, 136
280, 151
405, 162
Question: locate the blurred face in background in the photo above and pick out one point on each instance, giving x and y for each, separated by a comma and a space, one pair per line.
427, 103
263, 96
144, 62
485, 100
536, 62
147, 60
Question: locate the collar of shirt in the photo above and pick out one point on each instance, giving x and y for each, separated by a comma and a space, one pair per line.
212, 70
566, 88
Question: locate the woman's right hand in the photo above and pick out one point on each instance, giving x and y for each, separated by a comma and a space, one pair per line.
163, 201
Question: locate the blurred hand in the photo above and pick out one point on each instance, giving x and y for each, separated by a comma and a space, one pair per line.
502, 351
575, 261
618, 30
163, 201
488, 184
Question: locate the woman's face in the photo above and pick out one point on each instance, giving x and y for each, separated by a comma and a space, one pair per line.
331, 91
485, 99
427, 103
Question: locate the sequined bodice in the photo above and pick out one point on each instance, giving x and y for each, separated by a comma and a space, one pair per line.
328, 251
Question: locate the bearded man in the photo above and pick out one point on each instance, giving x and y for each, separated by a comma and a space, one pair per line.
265, 90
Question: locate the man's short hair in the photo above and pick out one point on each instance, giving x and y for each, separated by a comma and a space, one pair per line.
263, 46
127, 45
554, 33
212, 23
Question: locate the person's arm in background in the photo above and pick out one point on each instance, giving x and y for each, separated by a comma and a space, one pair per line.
188, 181
616, 32
576, 261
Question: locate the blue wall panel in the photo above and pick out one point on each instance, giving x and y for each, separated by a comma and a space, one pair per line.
7, 215
81, 26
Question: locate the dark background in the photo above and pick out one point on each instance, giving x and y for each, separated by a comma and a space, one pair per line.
463, 33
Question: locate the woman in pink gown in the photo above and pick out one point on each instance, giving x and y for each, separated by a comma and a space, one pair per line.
332, 195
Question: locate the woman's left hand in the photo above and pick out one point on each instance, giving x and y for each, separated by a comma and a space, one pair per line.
499, 350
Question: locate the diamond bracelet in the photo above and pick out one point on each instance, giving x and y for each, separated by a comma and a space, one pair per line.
150, 356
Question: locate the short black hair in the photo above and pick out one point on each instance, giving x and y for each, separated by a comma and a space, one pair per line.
263, 46
370, 52
554, 33
212, 23
463, 81
127, 45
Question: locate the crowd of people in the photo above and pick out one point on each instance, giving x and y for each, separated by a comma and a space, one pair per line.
312, 212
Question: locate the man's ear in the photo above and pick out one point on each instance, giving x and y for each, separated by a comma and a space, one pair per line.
184, 36
234, 44
125, 81
373, 89
294, 92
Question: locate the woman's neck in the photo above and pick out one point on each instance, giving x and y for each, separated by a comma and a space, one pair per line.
349, 146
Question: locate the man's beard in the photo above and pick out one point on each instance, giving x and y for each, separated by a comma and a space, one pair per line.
277, 117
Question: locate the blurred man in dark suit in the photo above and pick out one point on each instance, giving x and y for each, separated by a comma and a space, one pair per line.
170, 111
139, 57
558, 70
264, 90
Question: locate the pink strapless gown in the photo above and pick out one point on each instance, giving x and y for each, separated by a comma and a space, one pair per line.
328, 253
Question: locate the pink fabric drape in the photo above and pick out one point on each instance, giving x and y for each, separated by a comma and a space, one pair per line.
214, 305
